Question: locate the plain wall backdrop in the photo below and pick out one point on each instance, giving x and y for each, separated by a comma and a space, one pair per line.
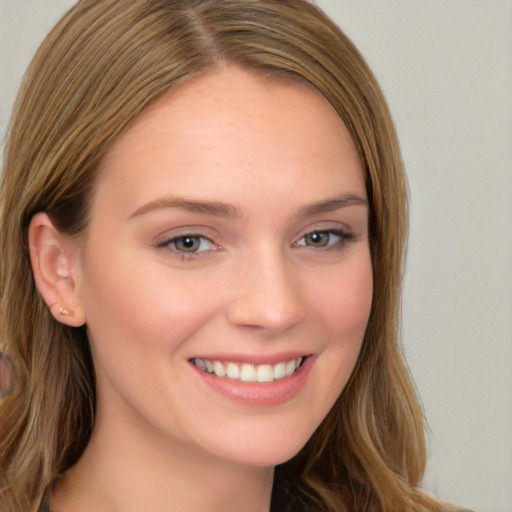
446, 69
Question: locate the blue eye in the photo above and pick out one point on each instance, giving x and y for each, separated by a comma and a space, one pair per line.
190, 244
325, 239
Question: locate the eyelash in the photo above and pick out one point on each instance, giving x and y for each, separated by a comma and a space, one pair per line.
344, 237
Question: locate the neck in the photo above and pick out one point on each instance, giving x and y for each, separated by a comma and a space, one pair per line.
133, 472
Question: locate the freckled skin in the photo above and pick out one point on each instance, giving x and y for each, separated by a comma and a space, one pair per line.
269, 148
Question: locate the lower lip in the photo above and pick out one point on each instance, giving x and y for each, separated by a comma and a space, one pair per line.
259, 394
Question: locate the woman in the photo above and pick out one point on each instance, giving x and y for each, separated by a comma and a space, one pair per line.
203, 223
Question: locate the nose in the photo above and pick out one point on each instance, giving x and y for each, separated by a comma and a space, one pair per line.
267, 296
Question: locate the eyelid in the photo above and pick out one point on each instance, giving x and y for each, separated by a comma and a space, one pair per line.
185, 230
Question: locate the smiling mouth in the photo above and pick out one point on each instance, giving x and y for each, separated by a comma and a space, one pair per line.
246, 372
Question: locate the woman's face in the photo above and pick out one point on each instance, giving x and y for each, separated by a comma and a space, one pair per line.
225, 274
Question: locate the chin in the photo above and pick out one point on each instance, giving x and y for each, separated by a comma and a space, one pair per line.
264, 450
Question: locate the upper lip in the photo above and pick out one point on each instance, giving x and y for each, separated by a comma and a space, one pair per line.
257, 359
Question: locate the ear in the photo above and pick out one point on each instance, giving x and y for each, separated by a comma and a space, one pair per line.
53, 257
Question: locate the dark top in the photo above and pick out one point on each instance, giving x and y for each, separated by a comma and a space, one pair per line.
281, 502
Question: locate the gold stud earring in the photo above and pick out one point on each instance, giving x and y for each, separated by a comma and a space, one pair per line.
65, 312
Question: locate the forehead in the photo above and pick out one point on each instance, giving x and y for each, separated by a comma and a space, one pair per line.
231, 124
232, 95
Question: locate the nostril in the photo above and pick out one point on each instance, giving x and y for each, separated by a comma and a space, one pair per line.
249, 314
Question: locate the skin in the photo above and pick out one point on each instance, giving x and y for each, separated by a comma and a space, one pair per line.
258, 288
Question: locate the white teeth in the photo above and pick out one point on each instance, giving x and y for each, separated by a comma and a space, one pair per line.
233, 371
219, 369
249, 372
279, 371
200, 364
265, 373
290, 367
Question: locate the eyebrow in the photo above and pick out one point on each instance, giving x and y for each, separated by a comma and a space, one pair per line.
220, 209
216, 208
331, 205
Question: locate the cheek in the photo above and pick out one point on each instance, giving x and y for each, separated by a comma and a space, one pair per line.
343, 308
343, 304
147, 310
143, 308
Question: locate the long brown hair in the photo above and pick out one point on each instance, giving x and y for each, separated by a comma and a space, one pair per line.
98, 69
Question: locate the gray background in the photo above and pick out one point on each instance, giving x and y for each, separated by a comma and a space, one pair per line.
446, 69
